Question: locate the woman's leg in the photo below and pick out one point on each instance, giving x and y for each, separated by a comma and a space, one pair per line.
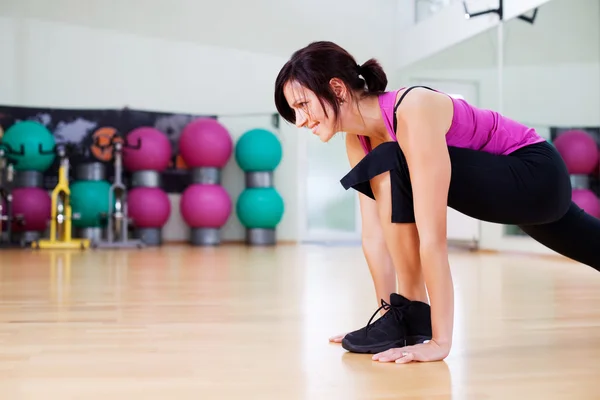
375, 250
402, 242
381, 268
575, 235
408, 317
395, 267
530, 188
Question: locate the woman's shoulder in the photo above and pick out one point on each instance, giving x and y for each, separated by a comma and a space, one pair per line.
417, 95
417, 105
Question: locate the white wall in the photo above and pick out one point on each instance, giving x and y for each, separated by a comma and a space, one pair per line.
181, 56
58, 65
8, 66
550, 77
405, 15
64, 65
449, 27
251, 26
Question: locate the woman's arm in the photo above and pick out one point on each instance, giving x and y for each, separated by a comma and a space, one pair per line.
423, 120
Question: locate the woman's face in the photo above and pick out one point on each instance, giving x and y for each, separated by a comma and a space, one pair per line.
309, 112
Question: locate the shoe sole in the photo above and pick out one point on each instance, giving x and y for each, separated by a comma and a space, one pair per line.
383, 346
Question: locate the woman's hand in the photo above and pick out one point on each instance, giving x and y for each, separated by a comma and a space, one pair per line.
337, 338
430, 351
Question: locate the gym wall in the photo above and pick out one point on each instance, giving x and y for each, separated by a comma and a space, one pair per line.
134, 55
63, 66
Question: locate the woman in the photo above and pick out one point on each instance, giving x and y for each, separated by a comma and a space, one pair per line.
413, 152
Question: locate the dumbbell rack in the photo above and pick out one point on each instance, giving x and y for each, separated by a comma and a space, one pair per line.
7, 174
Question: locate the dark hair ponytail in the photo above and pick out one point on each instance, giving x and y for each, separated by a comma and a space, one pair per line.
316, 64
374, 76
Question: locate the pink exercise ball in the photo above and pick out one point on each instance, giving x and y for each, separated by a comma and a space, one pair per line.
596, 171
588, 201
205, 206
148, 207
35, 205
154, 154
579, 150
204, 142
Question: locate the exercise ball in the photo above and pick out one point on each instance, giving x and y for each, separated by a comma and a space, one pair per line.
205, 142
260, 208
89, 200
148, 207
596, 172
588, 201
154, 153
205, 206
35, 205
579, 151
258, 150
31, 135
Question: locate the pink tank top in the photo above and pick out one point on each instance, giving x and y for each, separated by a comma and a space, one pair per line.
471, 128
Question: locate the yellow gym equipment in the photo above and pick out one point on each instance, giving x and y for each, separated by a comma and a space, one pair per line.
61, 217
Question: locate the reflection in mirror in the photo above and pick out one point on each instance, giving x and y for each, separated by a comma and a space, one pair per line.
466, 70
551, 82
331, 210
426, 8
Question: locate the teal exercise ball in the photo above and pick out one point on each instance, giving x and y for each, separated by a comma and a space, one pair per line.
89, 201
258, 150
31, 135
260, 208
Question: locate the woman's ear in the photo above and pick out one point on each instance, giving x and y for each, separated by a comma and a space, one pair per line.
338, 88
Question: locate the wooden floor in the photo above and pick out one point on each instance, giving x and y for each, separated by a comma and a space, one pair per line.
238, 323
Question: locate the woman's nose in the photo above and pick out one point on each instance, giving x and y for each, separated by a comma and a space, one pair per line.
300, 119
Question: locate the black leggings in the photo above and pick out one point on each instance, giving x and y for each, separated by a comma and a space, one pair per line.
529, 188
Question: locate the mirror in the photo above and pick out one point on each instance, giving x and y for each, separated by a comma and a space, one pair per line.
551, 82
332, 213
467, 70
427, 8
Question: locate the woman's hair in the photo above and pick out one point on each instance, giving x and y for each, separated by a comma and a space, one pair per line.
316, 64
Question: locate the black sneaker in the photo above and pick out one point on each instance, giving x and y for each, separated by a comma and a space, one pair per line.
404, 324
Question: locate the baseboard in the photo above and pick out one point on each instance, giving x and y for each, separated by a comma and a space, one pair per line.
226, 242
471, 245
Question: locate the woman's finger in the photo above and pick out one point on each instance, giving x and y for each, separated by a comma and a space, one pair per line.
406, 358
337, 338
383, 354
389, 355
392, 353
